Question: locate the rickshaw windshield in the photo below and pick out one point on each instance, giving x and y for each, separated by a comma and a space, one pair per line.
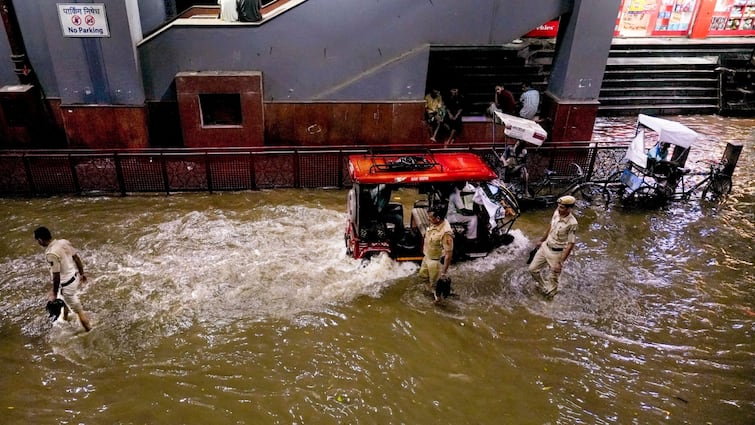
373, 200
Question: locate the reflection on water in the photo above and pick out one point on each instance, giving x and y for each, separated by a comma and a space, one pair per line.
244, 308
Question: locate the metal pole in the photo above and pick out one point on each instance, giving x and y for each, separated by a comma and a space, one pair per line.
23, 67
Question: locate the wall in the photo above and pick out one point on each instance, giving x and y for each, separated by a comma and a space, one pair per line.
320, 51
152, 14
344, 123
7, 76
99, 70
338, 49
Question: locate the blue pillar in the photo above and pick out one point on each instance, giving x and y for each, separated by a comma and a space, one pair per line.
583, 44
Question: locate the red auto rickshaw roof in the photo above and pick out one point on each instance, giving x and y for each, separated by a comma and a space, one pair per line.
418, 168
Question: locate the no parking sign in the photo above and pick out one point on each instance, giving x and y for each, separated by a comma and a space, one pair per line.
83, 20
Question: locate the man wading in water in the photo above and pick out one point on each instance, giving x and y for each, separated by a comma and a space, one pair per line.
555, 246
67, 272
438, 251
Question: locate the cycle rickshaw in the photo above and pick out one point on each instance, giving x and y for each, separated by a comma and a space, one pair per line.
512, 168
653, 180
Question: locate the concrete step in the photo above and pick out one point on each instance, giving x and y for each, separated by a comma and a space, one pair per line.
653, 100
658, 109
663, 61
651, 72
659, 91
668, 82
645, 61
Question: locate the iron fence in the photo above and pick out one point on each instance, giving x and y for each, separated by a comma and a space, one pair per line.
37, 173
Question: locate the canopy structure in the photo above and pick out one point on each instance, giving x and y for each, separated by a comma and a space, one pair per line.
522, 129
418, 168
669, 131
636, 152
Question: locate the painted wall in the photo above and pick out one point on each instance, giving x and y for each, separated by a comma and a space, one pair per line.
153, 14
34, 32
320, 50
93, 70
7, 76
339, 49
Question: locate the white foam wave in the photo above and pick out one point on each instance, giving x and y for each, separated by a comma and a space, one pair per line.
221, 268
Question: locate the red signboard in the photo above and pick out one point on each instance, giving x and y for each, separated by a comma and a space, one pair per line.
675, 18
547, 30
733, 18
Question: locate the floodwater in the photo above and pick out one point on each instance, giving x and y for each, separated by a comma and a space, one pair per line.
242, 308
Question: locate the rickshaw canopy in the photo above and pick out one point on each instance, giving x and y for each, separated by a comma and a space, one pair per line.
418, 168
636, 152
670, 131
522, 129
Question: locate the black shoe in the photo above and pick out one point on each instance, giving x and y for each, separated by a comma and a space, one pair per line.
532, 255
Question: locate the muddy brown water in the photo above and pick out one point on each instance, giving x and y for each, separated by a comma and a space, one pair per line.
242, 308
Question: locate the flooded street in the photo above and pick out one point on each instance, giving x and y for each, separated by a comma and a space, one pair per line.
242, 308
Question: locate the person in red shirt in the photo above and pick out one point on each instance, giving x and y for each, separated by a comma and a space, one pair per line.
503, 101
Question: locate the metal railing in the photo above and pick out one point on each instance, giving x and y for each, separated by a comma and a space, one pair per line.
65, 172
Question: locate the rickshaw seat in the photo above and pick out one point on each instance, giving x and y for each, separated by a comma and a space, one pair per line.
394, 214
631, 180
663, 168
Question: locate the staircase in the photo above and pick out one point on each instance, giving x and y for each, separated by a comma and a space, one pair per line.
663, 79
737, 84
655, 79
477, 70
659, 86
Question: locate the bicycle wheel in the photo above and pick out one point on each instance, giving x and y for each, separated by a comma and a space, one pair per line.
613, 188
718, 186
645, 197
591, 193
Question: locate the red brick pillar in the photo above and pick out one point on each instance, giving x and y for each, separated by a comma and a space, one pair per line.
568, 120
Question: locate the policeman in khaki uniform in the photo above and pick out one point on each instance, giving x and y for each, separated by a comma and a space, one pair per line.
555, 246
439, 243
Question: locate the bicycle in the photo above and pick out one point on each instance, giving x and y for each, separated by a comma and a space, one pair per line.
715, 184
547, 190
554, 186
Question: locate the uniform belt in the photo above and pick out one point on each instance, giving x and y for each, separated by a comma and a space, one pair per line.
434, 259
70, 281
555, 249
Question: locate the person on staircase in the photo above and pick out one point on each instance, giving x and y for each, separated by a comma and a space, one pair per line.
454, 109
529, 100
435, 112
503, 101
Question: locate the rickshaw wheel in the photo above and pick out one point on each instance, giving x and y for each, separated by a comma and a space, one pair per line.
591, 194
645, 197
613, 188
347, 240
717, 187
